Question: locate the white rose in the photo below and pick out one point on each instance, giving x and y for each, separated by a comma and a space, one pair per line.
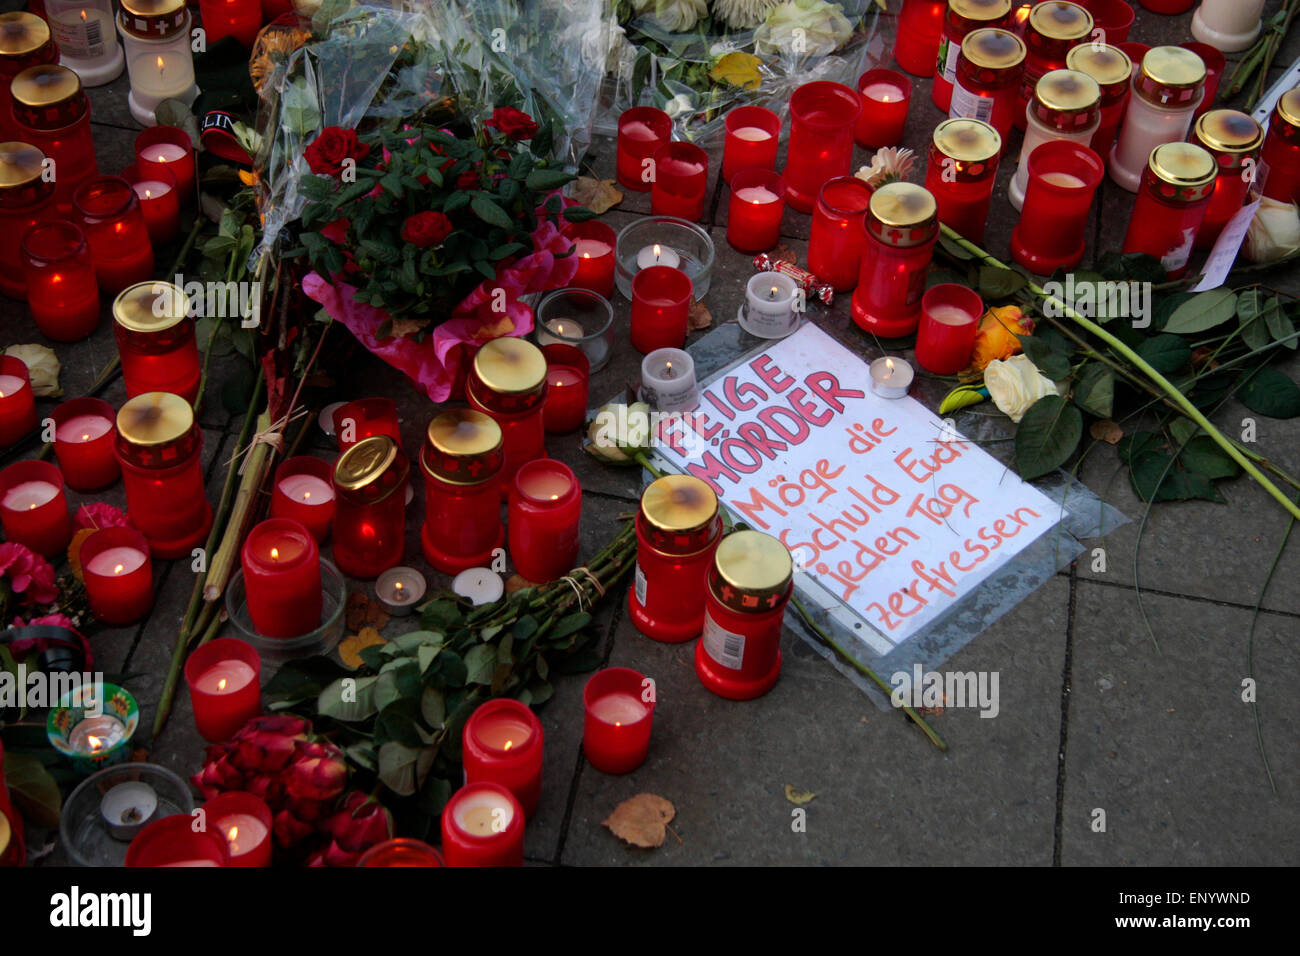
675, 16
42, 367
743, 14
803, 27
1274, 232
616, 428
1015, 384
681, 103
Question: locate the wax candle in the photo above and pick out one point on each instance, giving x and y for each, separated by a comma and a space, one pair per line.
83, 31
370, 481
542, 527
223, 678
159, 203
642, 130
1175, 194
34, 508
772, 306
1063, 179
60, 276
399, 590
1214, 63
990, 68
479, 586
886, 95
961, 17
1279, 159
1111, 20
961, 173
83, 443
901, 227
1166, 91
17, 403
156, 340
109, 214
579, 317
243, 820
128, 807
920, 26
752, 136
681, 177
754, 210
668, 381
508, 382
891, 377
96, 734
1066, 105
461, 461
159, 61
118, 575
661, 300
1113, 71
365, 417
483, 825
593, 245
26, 198
304, 491
822, 119
24, 41
282, 582
401, 851
240, 19
945, 339
173, 841
658, 255
1054, 28
619, 713
502, 743
1228, 25
836, 239
567, 375
52, 113
168, 147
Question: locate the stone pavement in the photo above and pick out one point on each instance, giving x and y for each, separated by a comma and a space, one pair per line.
1093, 713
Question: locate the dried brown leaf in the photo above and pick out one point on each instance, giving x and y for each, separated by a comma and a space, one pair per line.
798, 797
784, 253
641, 821
1107, 431
598, 195
363, 611
699, 316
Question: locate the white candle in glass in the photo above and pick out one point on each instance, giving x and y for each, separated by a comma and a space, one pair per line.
30, 495
483, 813
1227, 25
770, 310
752, 134
113, 562
87, 39
560, 332
10, 384
668, 381
891, 377
657, 254
96, 734
82, 428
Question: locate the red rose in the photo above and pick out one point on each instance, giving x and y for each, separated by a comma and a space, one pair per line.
468, 180
336, 232
513, 123
426, 229
328, 152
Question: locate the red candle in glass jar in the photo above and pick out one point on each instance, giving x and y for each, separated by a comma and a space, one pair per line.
173, 841
223, 677
304, 491
83, 443
34, 507
359, 420
17, 401
1168, 7
545, 511
961, 174
159, 203
52, 113
619, 705
27, 42
901, 227
961, 17
593, 246
990, 68
1214, 63
370, 507
1279, 159
156, 341
836, 240
26, 198
508, 382
754, 210
567, 373
1233, 139
1171, 203
168, 147
752, 137
401, 851
920, 27
642, 130
661, 302
1063, 178
886, 95
240, 19
118, 575
110, 217
461, 460
502, 743
1054, 28
281, 564
822, 119
60, 274
950, 317
483, 825
243, 820
1113, 18
1113, 71
681, 181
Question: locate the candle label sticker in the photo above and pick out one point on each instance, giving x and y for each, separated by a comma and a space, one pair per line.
969, 106
724, 646
639, 579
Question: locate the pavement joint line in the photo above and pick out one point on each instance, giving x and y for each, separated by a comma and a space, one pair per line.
1066, 668
610, 496
1217, 602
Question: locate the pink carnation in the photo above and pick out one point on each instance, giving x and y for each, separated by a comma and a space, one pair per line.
49, 620
28, 573
99, 516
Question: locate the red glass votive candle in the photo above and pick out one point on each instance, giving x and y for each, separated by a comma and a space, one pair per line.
173, 841
1114, 18
545, 511
155, 340
508, 382
281, 564
461, 460
17, 401
401, 851
822, 119
118, 575
365, 417
677, 529
750, 582
681, 181
110, 217
502, 743
836, 239
240, 19
243, 820
1234, 140
159, 202
1135, 52
60, 276
26, 198
886, 96
1214, 62
752, 137
642, 130
961, 17
1063, 179
483, 825
1168, 7
618, 719
370, 507
26, 43
1113, 71
920, 27
1171, 203
83, 443
168, 147
950, 318
223, 676
961, 174
661, 302
754, 209
593, 246
901, 227
34, 507
158, 448
990, 67
304, 491
1053, 29
52, 113
567, 374
1279, 159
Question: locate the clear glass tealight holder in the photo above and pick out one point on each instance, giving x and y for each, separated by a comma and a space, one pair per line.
577, 317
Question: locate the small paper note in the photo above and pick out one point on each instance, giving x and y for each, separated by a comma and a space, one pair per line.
1225, 250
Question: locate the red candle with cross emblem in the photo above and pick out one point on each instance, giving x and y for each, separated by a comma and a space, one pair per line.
461, 459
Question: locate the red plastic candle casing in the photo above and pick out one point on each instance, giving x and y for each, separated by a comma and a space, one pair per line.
750, 582
118, 575
15, 854
173, 841
224, 677
168, 147
823, 116
1168, 7
52, 113
304, 491
61, 289
642, 130
837, 239
370, 507
745, 145
681, 181
461, 460
1114, 18
901, 228
544, 514
961, 17
618, 719
950, 318
1171, 203
34, 507
961, 174
26, 198
364, 418
1280, 157
677, 529
508, 382
1214, 62
240, 19
158, 447
159, 202
155, 340
1063, 179
281, 564
990, 68
885, 96
110, 217
1054, 28
502, 743
1234, 140
754, 210
27, 43
17, 401
568, 371
243, 820
593, 247
920, 27
661, 301
401, 851
1113, 71
84, 435
483, 825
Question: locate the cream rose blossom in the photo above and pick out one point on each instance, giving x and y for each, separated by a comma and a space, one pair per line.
675, 16
42, 366
1274, 232
803, 28
1015, 384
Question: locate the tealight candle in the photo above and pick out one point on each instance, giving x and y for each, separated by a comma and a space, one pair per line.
642, 130
483, 825
304, 491
580, 317
542, 527
399, 590
223, 679
771, 309
751, 142
680, 186
243, 820
170, 148
118, 575
159, 201
567, 376
34, 508
668, 381
755, 209
945, 339
401, 851
479, 586
618, 720
502, 743
891, 377
94, 735
17, 402
661, 301
593, 245
83, 443
886, 96
128, 808
173, 841
658, 255
282, 580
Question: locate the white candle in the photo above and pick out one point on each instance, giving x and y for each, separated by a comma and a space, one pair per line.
758, 195
114, 562
668, 380
96, 734
86, 38
151, 188
479, 586
483, 813
752, 134
769, 311
399, 589
30, 495
638, 131
9, 384
82, 428
306, 489
561, 332
326, 417
882, 92
162, 153
618, 709
1227, 25
658, 255
191, 863
242, 831
891, 377
951, 315
225, 677
1062, 179
127, 807
591, 248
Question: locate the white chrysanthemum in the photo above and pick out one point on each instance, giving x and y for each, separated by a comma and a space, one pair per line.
743, 14
803, 28
675, 16
605, 46
889, 164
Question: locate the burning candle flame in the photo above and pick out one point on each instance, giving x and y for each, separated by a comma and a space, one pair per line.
397, 586
161, 65
509, 744
618, 723
773, 292
221, 685
656, 252
889, 364
275, 554
148, 194
119, 568
233, 835
83, 15
95, 743
85, 437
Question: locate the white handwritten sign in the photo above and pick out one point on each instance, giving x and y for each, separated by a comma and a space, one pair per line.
884, 504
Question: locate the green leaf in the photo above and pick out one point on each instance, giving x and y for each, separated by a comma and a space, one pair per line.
1094, 389
544, 180
1271, 393
579, 214
491, 213
1204, 311
996, 283
1203, 456
1279, 324
1145, 474
433, 707
954, 249
397, 767
361, 705
961, 397
33, 790
1047, 436
1254, 327
1052, 363
1165, 353
480, 662
363, 755
425, 655
570, 624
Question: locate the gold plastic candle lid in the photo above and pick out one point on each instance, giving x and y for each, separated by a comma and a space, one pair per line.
1108, 65
364, 462
980, 9
902, 205
155, 418
464, 447
20, 165
1067, 91
680, 503
992, 48
1170, 76
152, 8
153, 306
510, 366
1058, 20
1229, 131
153, 19
1288, 107
967, 140
1183, 165
750, 571
46, 85
22, 33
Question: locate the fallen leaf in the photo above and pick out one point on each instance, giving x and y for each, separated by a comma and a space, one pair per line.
1107, 431
699, 316
350, 647
738, 69
402, 328
517, 582
363, 612
74, 550
784, 254
641, 821
598, 195
936, 711
799, 797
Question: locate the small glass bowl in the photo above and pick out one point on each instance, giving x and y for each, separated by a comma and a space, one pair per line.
320, 641
75, 706
580, 309
85, 832
691, 244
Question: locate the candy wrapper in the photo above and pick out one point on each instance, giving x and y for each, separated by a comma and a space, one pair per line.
804, 279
